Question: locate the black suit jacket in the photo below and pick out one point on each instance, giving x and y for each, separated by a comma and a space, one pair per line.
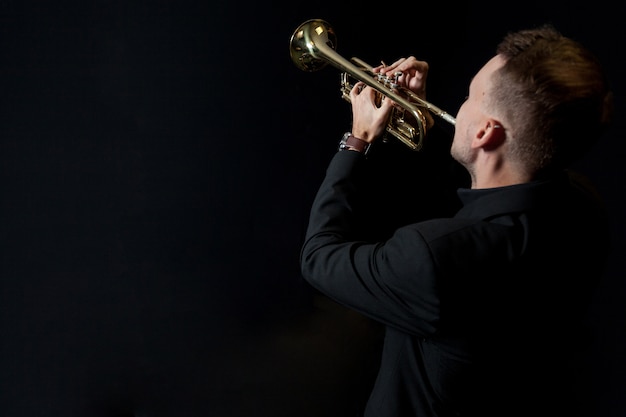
483, 310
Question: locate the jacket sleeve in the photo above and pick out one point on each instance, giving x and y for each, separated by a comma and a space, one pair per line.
392, 281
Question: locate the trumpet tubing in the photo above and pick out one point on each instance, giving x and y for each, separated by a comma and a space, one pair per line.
313, 46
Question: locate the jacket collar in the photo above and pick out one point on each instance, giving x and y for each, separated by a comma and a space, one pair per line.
484, 203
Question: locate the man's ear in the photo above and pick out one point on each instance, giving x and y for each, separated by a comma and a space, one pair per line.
490, 135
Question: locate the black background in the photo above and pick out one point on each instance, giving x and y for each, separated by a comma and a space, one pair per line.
158, 163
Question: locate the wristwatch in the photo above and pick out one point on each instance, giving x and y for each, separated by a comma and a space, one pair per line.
349, 141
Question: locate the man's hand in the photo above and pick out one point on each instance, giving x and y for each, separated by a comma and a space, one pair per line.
369, 120
414, 74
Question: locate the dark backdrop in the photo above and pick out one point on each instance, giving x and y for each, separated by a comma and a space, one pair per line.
158, 160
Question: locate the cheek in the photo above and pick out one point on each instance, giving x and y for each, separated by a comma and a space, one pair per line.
464, 119
461, 134
460, 125
461, 113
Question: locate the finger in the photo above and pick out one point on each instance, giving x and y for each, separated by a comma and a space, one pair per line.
386, 102
356, 89
397, 63
390, 69
412, 64
369, 92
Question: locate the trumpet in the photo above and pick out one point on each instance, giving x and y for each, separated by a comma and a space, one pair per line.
313, 46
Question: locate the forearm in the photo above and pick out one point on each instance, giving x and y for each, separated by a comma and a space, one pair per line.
361, 274
332, 218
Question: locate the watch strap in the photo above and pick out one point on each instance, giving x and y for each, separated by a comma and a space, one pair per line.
350, 141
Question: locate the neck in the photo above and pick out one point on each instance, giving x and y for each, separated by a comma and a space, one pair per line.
493, 181
491, 172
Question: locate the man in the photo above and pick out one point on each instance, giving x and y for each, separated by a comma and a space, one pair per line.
483, 311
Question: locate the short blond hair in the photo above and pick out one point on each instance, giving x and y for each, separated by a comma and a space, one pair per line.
554, 95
